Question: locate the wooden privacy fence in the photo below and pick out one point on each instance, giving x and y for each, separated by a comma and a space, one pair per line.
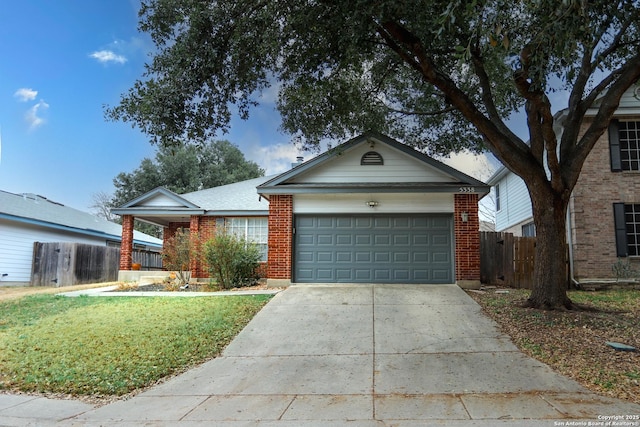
507, 260
66, 264
148, 260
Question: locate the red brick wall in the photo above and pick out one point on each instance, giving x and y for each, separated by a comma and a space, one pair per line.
280, 236
467, 237
126, 246
591, 222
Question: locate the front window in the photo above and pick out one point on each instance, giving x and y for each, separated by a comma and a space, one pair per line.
529, 230
253, 229
629, 134
497, 187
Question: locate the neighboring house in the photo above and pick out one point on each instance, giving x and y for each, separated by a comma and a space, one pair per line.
28, 218
371, 210
603, 220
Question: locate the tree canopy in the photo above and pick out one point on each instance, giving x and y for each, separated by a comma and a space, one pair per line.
183, 169
437, 75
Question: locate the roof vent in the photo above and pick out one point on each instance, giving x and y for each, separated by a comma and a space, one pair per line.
371, 158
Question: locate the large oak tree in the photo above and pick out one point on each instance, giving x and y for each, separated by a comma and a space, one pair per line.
437, 75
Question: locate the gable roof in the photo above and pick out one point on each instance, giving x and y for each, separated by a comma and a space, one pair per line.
38, 210
161, 206
452, 179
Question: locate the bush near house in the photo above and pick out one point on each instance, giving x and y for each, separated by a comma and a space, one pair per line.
232, 260
178, 253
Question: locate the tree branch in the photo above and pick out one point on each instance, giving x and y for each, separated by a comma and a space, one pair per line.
409, 47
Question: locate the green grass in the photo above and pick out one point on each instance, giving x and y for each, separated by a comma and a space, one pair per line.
619, 299
111, 346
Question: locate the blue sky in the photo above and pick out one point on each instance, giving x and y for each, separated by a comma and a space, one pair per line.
62, 61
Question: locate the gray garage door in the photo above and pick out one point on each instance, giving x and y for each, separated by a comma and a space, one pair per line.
373, 249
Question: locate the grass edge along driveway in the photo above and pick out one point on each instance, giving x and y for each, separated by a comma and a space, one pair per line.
105, 347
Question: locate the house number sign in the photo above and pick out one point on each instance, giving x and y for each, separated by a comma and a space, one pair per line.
466, 190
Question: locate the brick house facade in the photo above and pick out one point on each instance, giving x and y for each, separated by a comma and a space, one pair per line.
603, 220
592, 222
370, 210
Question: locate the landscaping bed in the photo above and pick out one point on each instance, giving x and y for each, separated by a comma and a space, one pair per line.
574, 343
192, 287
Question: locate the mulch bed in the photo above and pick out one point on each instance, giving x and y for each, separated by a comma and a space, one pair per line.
573, 343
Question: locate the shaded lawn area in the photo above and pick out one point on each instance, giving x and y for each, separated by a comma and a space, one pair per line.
101, 347
573, 343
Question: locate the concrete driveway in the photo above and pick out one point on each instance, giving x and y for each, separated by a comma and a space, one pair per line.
364, 355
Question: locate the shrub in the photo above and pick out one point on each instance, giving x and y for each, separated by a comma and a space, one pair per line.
623, 269
177, 253
232, 260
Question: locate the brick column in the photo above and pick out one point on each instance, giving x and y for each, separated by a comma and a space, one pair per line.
126, 245
467, 240
280, 239
194, 232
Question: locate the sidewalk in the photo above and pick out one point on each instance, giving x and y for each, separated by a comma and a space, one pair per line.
355, 355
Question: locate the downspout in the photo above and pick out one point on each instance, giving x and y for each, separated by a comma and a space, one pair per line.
569, 224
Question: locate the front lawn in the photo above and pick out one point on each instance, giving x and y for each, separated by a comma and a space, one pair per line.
574, 342
103, 347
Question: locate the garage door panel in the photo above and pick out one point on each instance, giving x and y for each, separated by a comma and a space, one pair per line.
364, 222
325, 257
344, 256
344, 223
325, 239
324, 274
382, 257
344, 275
374, 248
440, 257
364, 275
421, 275
401, 239
363, 257
363, 240
381, 223
401, 275
381, 275
305, 256
440, 275
320, 222
401, 222
401, 257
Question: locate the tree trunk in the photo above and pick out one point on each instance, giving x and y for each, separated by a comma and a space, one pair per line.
550, 270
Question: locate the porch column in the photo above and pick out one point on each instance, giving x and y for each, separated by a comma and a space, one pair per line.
280, 240
126, 245
194, 230
467, 240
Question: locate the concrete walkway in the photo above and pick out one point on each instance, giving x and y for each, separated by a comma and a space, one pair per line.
352, 355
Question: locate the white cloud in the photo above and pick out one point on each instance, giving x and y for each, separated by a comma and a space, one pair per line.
26, 94
479, 166
106, 56
275, 158
33, 115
